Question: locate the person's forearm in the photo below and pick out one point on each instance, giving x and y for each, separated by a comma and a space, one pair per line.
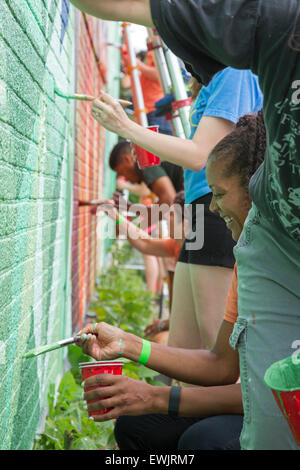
211, 401
133, 11
140, 240
200, 401
198, 367
173, 149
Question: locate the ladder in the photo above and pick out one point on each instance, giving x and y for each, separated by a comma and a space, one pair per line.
137, 93
171, 80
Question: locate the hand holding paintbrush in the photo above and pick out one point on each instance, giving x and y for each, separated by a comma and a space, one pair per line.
53, 346
108, 112
99, 340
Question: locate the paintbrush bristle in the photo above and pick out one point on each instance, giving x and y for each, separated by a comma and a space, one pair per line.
40, 350
75, 96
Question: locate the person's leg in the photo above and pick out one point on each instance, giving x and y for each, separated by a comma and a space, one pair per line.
210, 286
213, 433
152, 272
150, 432
202, 280
184, 331
198, 307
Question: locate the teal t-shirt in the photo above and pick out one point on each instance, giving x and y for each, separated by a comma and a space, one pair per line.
230, 95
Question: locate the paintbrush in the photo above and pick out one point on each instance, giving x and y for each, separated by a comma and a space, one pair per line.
96, 203
50, 347
81, 97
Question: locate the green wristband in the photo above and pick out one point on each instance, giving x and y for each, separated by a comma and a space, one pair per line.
146, 350
120, 219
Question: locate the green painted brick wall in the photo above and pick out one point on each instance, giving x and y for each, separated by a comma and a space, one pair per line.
37, 151
36, 170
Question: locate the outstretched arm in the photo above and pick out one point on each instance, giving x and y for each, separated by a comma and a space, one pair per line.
192, 154
220, 366
138, 238
133, 11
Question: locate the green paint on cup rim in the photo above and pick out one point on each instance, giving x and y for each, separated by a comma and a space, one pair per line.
284, 375
100, 363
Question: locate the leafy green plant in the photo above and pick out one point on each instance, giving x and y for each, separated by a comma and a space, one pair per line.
67, 426
122, 300
122, 297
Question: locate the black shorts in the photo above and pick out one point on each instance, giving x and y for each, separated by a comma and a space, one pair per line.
218, 244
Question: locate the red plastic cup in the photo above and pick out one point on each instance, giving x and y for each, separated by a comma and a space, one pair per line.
283, 378
88, 369
289, 404
143, 157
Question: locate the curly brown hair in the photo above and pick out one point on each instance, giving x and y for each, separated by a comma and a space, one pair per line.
243, 150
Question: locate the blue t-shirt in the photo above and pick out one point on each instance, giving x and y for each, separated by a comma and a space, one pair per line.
230, 95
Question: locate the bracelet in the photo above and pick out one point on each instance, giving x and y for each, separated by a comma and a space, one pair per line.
146, 350
174, 401
120, 219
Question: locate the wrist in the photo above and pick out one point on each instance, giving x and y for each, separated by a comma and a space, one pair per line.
132, 346
161, 396
130, 130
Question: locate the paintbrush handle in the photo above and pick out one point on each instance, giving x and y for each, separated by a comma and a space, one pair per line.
66, 342
82, 97
92, 98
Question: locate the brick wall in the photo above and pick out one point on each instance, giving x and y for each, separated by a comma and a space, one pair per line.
90, 70
40, 134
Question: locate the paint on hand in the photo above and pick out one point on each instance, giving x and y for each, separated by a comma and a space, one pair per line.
120, 347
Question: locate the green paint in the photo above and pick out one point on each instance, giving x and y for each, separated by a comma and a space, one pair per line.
121, 347
35, 149
47, 348
73, 97
37, 134
284, 375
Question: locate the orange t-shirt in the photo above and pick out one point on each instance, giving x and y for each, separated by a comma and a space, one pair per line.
152, 90
231, 313
172, 247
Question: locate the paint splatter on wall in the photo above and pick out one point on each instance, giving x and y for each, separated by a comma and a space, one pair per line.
37, 154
